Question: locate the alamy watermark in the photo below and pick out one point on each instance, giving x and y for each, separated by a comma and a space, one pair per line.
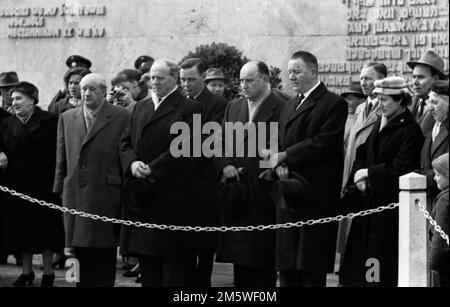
228, 140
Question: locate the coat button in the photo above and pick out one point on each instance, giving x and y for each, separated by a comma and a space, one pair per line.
82, 185
83, 166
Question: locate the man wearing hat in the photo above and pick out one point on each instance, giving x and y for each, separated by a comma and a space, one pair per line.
215, 81
72, 62
428, 68
244, 200
7, 81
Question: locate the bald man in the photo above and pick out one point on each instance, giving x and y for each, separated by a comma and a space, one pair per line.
252, 253
89, 179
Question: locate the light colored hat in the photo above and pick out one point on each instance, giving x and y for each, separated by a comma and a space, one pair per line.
390, 86
214, 74
432, 60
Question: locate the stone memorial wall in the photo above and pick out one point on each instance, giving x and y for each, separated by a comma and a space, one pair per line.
36, 36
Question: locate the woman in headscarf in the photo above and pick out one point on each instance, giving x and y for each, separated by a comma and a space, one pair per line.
27, 159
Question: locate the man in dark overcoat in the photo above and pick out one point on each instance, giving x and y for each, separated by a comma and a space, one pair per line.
311, 136
436, 141
426, 70
89, 177
252, 253
158, 184
204, 211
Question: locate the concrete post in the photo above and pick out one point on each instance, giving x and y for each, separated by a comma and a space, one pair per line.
412, 265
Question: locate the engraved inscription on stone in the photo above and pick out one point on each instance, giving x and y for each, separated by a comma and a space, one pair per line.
46, 22
392, 32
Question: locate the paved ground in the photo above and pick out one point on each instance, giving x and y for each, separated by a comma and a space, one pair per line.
222, 275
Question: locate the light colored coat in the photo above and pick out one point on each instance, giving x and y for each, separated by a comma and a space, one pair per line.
89, 174
359, 132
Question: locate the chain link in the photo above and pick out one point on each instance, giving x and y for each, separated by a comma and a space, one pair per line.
433, 222
197, 228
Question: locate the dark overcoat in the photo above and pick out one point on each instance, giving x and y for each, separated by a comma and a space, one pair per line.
89, 174
439, 251
60, 106
430, 151
30, 149
253, 249
147, 138
426, 120
205, 211
312, 136
388, 155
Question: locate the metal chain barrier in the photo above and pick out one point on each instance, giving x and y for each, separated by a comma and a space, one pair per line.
433, 222
197, 228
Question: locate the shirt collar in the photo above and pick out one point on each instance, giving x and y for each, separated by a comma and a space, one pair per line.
170, 93
263, 97
306, 95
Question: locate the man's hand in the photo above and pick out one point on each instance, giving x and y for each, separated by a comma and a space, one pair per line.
230, 172
140, 170
360, 179
275, 158
3, 161
282, 172
361, 175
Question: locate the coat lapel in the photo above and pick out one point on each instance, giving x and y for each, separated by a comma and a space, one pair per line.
266, 110
241, 112
18, 130
440, 138
103, 118
166, 107
308, 104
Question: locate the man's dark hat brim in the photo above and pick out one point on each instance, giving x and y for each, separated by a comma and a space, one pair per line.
236, 197
294, 194
8, 79
140, 195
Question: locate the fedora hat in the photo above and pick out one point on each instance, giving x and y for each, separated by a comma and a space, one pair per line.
390, 86
293, 194
8, 79
236, 197
214, 74
355, 89
140, 195
432, 60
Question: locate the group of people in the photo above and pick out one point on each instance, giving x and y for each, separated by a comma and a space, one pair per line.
108, 153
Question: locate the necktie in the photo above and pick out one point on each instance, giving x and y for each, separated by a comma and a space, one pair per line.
368, 108
421, 108
436, 129
299, 101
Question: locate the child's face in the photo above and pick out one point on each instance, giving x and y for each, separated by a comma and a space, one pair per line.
441, 180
